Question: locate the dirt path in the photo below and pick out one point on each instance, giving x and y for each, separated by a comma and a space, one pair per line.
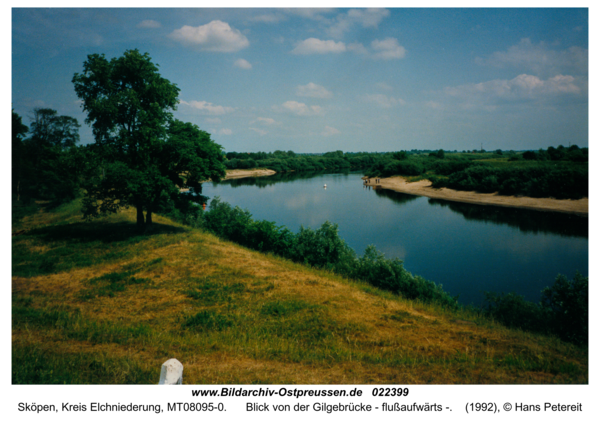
423, 188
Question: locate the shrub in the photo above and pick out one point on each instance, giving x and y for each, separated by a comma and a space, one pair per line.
563, 310
323, 248
514, 311
390, 274
265, 236
227, 221
567, 302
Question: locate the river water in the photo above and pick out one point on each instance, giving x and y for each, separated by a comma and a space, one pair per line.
467, 248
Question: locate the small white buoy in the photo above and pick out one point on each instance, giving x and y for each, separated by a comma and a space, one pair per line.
325, 186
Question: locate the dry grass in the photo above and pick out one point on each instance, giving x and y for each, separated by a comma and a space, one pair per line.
232, 315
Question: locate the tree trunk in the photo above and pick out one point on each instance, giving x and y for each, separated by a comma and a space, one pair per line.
140, 216
148, 218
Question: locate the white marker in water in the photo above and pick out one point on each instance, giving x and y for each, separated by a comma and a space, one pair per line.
325, 186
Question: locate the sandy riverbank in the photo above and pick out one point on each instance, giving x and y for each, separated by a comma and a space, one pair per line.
239, 174
423, 188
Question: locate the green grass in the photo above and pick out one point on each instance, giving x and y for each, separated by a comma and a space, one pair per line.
209, 321
45, 365
62, 247
107, 305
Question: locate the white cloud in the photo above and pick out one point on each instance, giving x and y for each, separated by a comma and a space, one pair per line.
367, 18
523, 87
539, 58
563, 84
357, 48
388, 49
242, 64
213, 120
384, 101
261, 132
316, 46
330, 131
149, 24
313, 90
215, 36
208, 108
300, 109
225, 132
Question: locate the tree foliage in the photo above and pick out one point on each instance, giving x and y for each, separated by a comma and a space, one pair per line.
48, 129
143, 155
45, 164
18, 152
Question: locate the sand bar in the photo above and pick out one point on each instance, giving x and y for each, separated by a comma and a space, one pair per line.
423, 188
239, 174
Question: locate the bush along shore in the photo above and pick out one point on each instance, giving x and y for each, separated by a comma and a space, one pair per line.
562, 310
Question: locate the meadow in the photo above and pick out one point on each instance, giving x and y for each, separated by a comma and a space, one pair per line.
102, 303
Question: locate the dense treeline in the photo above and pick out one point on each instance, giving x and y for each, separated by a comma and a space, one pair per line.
559, 172
572, 153
282, 161
556, 172
562, 310
46, 161
561, 182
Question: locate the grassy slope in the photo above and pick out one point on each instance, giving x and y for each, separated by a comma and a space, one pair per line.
98, 303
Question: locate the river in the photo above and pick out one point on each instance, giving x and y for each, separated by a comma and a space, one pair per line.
467, 248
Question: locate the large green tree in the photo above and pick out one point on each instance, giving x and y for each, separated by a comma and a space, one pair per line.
143, 154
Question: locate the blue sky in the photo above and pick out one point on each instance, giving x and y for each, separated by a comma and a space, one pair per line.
316, 80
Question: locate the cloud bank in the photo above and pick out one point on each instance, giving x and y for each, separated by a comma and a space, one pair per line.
216, 36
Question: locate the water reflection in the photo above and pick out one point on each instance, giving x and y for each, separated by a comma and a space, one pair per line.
467, 248
262, 182
528, 221
397, 197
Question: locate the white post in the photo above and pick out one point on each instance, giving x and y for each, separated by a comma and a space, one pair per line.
171, 373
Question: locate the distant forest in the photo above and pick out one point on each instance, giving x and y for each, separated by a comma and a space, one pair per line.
560, 172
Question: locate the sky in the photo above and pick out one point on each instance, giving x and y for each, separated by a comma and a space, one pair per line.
318, 80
